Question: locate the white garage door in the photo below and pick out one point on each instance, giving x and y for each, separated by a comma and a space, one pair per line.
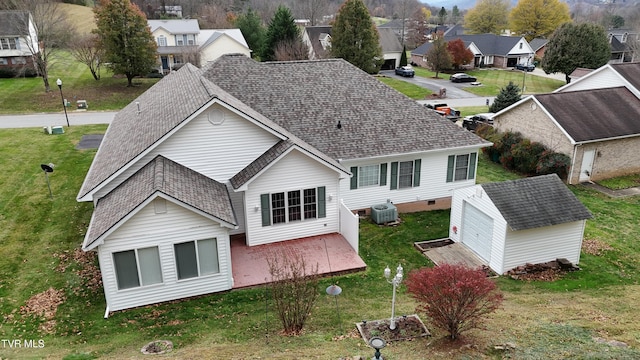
477, 231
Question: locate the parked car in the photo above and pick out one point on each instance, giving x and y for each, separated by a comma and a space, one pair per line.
525, 67
471, 122
406, 71
462, 77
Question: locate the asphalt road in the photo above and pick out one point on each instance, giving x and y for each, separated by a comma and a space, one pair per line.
55, 119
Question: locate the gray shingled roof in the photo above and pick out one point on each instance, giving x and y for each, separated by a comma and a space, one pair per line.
489, 44
165, 176
389, 41
132, 132
536, 202
594, 114
14, 23
309, 98
176, 26
538, 43
630, 72
260, 163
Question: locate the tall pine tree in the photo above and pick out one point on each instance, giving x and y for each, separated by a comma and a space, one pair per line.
282, 29
125, 37
355, 38
251, 27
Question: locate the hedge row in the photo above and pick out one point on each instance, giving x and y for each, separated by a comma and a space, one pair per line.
8, 73
516, 153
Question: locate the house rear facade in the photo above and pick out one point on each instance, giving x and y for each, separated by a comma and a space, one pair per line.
18, 42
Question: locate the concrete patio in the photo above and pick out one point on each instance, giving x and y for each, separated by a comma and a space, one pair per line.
331, 252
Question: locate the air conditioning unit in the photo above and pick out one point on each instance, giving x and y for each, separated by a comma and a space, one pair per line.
384, 213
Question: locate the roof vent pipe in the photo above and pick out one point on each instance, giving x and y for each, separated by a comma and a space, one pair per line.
339, 126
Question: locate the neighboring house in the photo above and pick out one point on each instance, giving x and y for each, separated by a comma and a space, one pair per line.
489, 50
607, 76
512, 223
419, 54
399, 28
181, 41
173, 11
595, 128
538, 45
318, 40
259, 150
578, 73
622, 48
18, 41
391, 48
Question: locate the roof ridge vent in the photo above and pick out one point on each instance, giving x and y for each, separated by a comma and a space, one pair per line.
158, 173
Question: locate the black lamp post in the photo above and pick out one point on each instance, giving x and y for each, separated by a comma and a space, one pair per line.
64, 106
377, 343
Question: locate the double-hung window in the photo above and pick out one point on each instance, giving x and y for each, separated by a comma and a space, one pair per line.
139, 267
368, 175
405, 174
162, 40
196, 258
294, 205
461, 167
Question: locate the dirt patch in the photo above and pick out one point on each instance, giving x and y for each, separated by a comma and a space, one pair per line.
549, 271
407, 327
595, 247
430, 244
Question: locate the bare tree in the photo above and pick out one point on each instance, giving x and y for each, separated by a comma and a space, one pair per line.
312, 10
52, 30
289, 50
87, 50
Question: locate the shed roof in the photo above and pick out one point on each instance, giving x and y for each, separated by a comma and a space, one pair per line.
597, 114
164, 176
536, 202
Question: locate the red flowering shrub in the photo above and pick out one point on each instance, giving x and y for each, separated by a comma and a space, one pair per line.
455, 297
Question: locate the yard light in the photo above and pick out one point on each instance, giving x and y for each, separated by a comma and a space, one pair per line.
395, 281
64, 106
377, 343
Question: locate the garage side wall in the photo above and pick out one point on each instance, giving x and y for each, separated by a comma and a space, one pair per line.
475, 196
543, 244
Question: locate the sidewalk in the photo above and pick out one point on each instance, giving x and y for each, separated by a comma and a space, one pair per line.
612, 193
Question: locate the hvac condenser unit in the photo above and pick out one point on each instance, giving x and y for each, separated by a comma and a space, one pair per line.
384, 213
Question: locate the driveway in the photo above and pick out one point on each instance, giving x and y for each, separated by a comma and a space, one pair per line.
454, 90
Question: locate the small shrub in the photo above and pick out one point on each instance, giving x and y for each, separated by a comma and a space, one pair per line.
455, 297
525, 156
551, 162
294, 290
504, 145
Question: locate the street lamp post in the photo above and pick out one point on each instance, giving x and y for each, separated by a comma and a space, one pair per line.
64, 106
395, 281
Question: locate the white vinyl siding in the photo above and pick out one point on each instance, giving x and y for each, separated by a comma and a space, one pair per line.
433, 185
605, 78
295, 171
222, 45
148, 229
206, 148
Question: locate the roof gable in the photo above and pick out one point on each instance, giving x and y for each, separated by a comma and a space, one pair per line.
295, 95
210, 36
172, 180
536, 202
176, 26
599, 114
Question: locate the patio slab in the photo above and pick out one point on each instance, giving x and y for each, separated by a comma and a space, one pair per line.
331, 252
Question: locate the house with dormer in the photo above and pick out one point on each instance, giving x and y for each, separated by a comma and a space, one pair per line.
257, 154
18, 42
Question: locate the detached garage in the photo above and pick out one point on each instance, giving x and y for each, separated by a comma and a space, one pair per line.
512, 223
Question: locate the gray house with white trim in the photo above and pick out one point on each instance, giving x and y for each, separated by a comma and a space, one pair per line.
264, 151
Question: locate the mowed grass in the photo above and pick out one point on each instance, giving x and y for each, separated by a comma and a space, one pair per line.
545, 320
27, 95
411, 90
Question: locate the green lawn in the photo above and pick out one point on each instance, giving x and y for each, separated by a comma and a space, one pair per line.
27, 95
411, 90
545, 320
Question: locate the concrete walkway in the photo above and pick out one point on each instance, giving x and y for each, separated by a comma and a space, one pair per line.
612, 193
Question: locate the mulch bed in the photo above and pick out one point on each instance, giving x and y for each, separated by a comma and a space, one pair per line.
549, 271
407, 327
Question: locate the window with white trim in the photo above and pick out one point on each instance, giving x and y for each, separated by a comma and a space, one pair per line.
292, 206
139, 267
162, 40
180, 40
191, 39
368, 175
405, 174
8, 43
196, 258
461, 167
4, 61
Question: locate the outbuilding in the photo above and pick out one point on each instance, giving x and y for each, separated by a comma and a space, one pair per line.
512, 223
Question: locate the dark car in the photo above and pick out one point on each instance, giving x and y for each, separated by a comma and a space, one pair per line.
471, 122
462, 77
406, 71
525, 67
